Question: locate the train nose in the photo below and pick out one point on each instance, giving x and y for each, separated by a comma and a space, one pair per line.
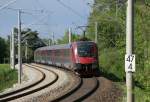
86, 69
86, 61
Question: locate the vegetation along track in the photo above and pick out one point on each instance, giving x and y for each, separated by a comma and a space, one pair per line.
39, 85
84, 90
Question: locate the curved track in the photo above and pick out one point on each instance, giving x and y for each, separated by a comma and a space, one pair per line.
39, 85
69, 87
82, 89
87, 87
92, 89
52, 86
22, 88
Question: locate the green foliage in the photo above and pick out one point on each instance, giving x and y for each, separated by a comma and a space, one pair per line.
108, 59
139, 94
30, 39
111, 39
65, 38
47, 41
7, 76
3, 49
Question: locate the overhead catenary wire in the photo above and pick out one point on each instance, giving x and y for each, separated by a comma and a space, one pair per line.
43, 7
36, 21
41, 21
34, 13
25, 23
70, 9
4, 6
25, 11
66, 6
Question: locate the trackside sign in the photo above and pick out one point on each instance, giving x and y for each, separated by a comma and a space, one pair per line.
130, 63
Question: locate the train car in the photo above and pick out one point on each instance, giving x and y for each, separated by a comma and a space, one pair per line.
80, 57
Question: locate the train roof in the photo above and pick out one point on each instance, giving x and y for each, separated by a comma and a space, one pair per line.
84, 42
54, 47
62, 46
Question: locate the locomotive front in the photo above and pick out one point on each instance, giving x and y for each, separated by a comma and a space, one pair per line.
86, 56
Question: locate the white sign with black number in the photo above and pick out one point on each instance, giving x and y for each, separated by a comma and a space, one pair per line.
130, 63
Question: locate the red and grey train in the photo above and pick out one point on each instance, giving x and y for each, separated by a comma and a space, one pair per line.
80, 57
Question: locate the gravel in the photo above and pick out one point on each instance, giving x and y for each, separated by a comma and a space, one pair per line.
107, 92
61, 86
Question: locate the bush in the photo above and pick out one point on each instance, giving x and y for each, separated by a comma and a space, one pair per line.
111, 61
7, 77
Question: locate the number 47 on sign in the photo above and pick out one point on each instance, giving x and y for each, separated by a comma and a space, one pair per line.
130, 63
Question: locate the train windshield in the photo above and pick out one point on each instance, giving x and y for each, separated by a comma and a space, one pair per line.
86, 50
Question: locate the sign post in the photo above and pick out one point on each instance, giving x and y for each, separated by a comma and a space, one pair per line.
129, 57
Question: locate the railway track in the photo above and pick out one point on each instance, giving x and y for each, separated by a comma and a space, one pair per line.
87, 90
82, 89
32, 88
71, 86
86, 87
27, 84
63, 87
51, 84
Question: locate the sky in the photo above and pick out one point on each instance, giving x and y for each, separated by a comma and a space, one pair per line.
44, 16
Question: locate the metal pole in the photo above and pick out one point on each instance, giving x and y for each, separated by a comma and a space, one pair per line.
13, 50
53, 39
26, 51
83, 33
96, 24
69, 35
129, 48
19, 48
49, 42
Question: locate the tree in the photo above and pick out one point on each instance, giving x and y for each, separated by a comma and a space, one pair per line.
111, 18
3, 50
65, 38
30, 39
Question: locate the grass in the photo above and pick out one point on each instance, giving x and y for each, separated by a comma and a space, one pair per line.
140, 95
7, 77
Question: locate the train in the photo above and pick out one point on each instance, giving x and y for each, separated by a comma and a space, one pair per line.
80, 57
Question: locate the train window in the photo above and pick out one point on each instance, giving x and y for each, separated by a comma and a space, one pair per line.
65, 52
86, 50
49, 52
